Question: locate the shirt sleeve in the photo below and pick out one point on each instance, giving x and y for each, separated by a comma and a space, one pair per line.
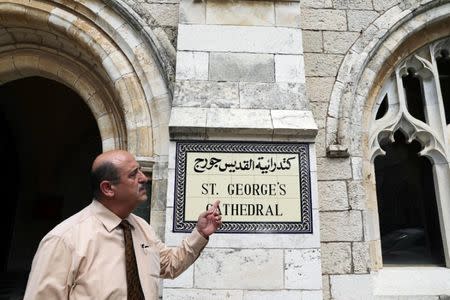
175, 260
50, 270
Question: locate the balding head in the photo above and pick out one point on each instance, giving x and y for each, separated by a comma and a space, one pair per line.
106, 167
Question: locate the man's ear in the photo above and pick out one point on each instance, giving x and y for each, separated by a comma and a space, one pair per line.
107, 189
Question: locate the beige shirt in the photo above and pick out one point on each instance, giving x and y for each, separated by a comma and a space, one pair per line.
84, 258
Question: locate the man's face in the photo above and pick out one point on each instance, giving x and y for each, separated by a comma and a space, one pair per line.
131, 187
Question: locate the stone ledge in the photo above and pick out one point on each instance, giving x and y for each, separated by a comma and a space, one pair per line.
196, 122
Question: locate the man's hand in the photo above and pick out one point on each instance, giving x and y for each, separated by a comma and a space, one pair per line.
209, 221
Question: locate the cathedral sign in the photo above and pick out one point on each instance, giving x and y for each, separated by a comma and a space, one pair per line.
262, 187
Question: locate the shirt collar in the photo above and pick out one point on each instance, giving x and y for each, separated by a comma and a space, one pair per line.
107, 217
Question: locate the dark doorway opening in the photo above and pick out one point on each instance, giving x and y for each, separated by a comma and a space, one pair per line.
49, 140
409, 221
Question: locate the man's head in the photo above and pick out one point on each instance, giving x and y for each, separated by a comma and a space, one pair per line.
117, 180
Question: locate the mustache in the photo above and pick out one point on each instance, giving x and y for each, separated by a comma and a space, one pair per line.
142, 187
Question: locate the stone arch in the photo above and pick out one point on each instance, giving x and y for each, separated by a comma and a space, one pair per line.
109, 59
390, 38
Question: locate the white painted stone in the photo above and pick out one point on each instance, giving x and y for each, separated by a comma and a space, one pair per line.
351, 287
312, 41
188, 119
336, 258
359, 20
287, 14
243, 12
398, 281
280, 95
192, 65
312, 295
361, 257
248, 67
185, 280
288, 121
338, 41
239, 39
314, 191
246, 121
270, 295
192, 12
206, 94
289, 68
341, 226
201, 294
333, 168
302, 269
239, 269
323, 19
251, 241
333, 195
323, 65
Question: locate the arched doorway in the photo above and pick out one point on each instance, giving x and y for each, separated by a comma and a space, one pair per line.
50, 138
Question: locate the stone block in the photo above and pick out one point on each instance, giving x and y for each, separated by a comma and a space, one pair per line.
361, 257
287, 14
312, 41
353, 4
240, 121
320, 111
282, 95
270, 295
312, 295
333, 195
341, 226
356, 195
242, 67
336, 258
318, 89
359, 20
338, 41
188, 120
244, 12
302, 269
254, 39
382, 5
351, 287
289, 68
239, 269
316, 4
206, 94
192, 12
326, 287
323, 19
201, 294
333, 168
297, 122
192, 65
185, 280
323, 65
163, 13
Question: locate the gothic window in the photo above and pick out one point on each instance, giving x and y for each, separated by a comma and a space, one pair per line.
410, 146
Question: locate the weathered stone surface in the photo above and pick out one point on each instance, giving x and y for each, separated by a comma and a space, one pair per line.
244, 12
359, 20
319, 110
326, 287
163, 14
323, 65
352, 4
336, 258
258, 269
312, 41
351, 287
272, 95
323, 19
316, 4
185, 280
192, 65
287, 14
357, 166
341, 226
293, 121
333, 195
333, 169
289, 68
201, 294
206, 94
318, 89
356, 195
361, 257
382, 5
338, 41
270, 295
302, 269
255, 39
192, 12
242, 67
312, 295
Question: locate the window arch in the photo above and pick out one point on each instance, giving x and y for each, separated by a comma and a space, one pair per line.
413, 108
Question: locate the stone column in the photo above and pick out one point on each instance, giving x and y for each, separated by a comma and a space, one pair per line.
240, 76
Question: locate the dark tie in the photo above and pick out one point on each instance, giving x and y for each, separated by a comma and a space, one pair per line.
134, 289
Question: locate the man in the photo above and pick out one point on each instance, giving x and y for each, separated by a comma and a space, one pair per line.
105, 251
